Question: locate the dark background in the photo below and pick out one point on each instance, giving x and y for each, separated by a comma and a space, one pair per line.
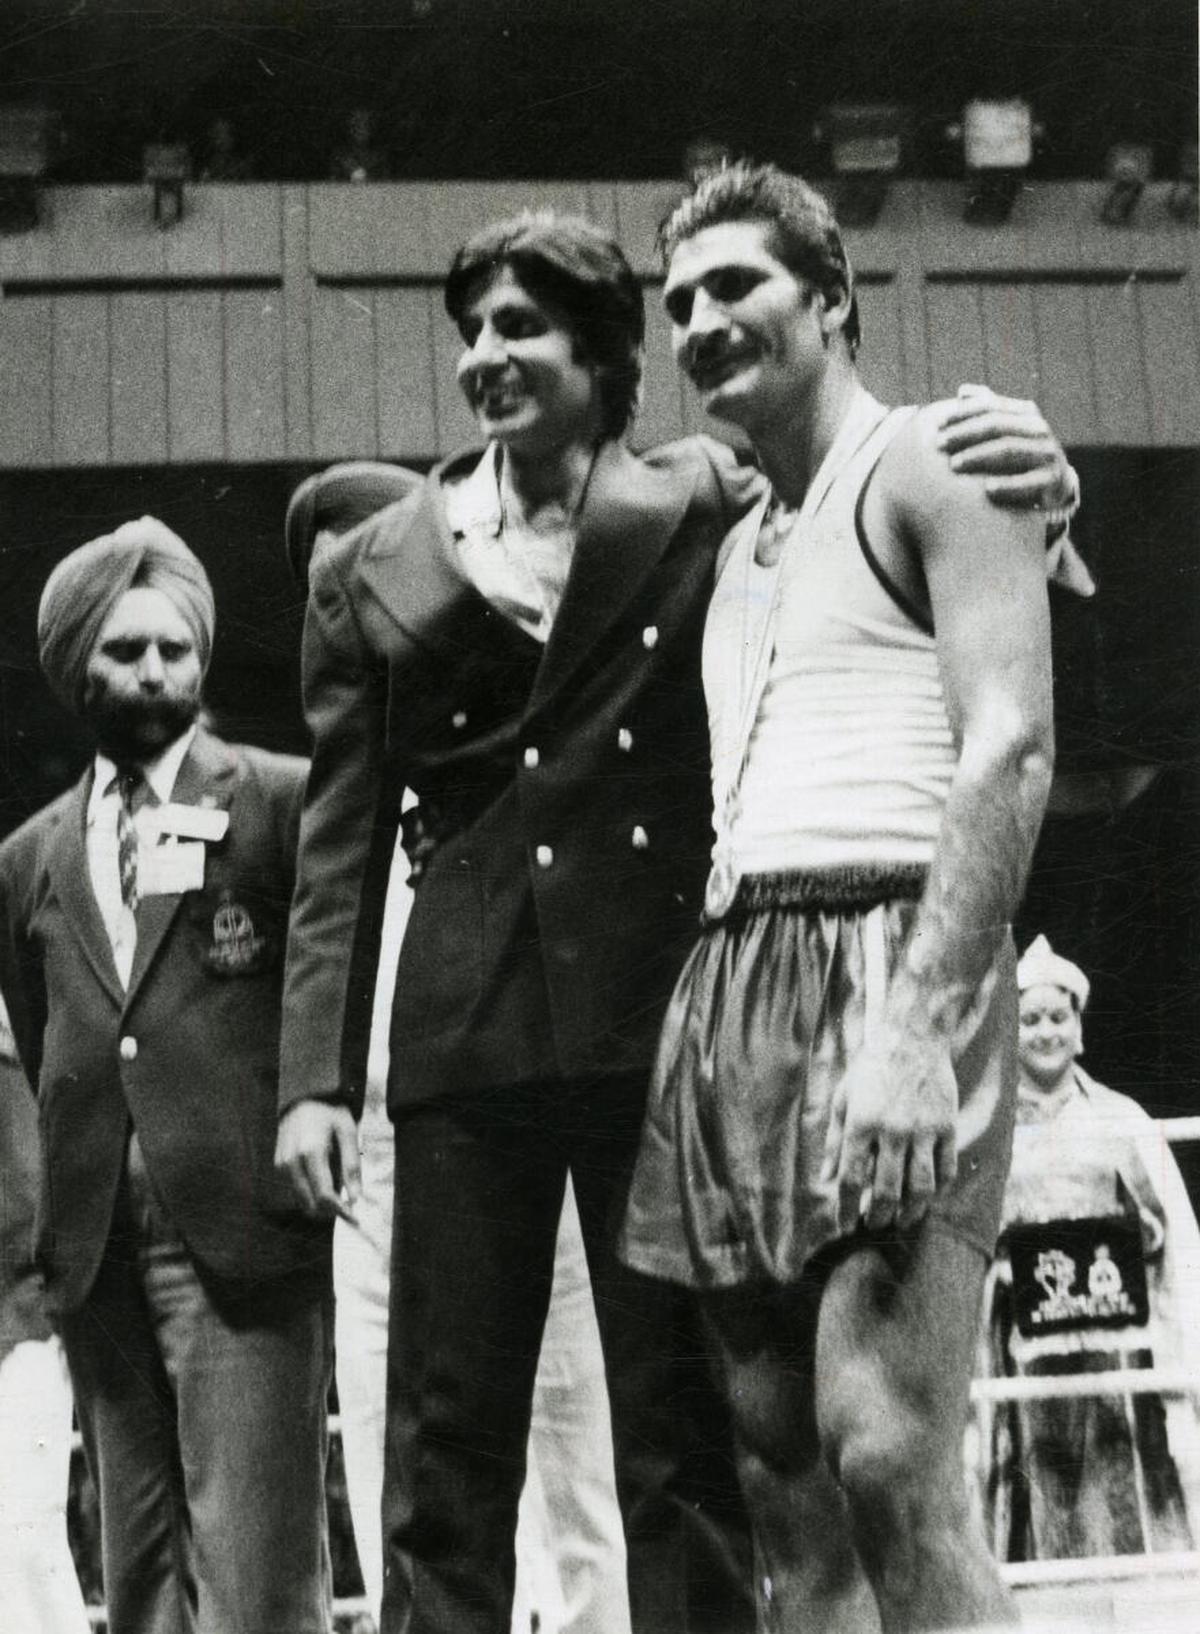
585, 88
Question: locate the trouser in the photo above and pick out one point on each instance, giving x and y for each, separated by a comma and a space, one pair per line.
203, 1412
570, 1547
571, 1572
479, 1190
38, 1587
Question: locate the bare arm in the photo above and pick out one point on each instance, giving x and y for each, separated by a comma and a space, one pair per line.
1008, 442
894, 1120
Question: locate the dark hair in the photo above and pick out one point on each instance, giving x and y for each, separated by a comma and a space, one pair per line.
571, 264
803, 231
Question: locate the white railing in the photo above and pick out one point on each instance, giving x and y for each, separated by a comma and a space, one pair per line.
1160, 1381
1117, 1381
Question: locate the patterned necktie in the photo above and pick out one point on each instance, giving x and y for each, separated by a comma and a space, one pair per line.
129, 781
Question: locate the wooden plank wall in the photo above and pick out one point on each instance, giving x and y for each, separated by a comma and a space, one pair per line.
305, 322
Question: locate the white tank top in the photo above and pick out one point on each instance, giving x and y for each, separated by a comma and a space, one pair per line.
850, 756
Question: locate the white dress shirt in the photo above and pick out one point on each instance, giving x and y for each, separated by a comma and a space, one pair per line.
521, 570
104, 867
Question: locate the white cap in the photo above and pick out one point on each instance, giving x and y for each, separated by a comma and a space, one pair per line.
1040, 964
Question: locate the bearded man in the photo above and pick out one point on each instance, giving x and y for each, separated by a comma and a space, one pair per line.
142, 917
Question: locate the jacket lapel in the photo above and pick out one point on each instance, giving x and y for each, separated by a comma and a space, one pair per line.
411, 568
206, 777
631, 515
67, 865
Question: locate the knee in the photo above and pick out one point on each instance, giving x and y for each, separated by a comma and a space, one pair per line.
773, 1450
897, 1480
873, 1472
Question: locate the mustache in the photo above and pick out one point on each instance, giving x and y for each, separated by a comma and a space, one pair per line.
707, 352
124, 723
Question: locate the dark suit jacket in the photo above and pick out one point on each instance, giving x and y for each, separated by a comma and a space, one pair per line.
189, 1052
566, 789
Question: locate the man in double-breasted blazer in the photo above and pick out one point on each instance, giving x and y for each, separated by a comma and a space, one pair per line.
142, 922
518, 641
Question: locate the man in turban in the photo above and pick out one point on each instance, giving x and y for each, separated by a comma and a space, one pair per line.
142, 917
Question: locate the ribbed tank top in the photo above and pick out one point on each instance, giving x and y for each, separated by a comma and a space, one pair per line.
851, 754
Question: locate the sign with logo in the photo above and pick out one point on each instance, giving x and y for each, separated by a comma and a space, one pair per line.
1071, 1274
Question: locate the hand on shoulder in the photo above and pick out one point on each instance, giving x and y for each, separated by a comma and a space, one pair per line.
933, 505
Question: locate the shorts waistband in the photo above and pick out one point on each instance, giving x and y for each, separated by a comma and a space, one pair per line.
851, 889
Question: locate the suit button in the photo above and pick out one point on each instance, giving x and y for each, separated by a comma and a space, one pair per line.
625, 739
650, 637
545, 856
639, 839
128, 1048
531, 758
459, 719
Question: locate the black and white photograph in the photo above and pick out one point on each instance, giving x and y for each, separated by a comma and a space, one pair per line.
599, 817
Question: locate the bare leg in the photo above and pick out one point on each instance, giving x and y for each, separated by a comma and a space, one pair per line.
808, 1579
895, 1343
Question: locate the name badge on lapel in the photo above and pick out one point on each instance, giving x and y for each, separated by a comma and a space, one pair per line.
180, 822
172, 869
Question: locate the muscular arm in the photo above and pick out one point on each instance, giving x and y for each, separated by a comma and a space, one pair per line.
894, 1127
1008, 442
988, 599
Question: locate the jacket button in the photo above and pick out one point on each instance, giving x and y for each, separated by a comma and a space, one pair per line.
459, 719
531, 758
544, 856
625, 739
650, 637
128, 1048
639, 839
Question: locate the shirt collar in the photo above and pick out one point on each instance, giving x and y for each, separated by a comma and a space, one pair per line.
473, 505
160, 773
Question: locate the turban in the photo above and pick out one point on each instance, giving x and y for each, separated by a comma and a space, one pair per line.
336, 500
86, 586
1041, 965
